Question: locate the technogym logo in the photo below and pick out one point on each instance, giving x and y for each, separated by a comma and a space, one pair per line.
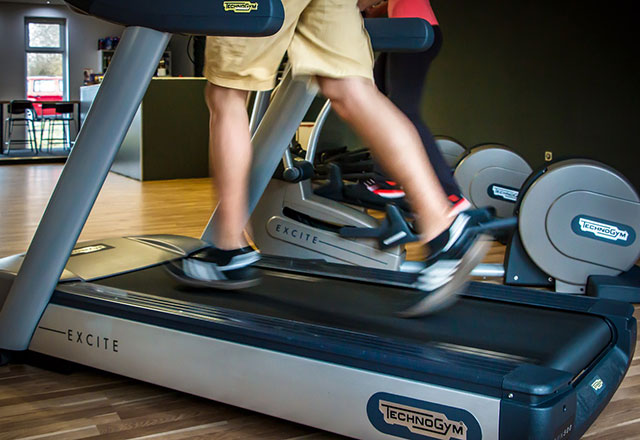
504, 193
409, 418
597, 385
418, 421
240, 7
603, 230
90, 249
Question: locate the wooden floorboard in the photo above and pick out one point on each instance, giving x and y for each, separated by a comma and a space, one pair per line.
46, 403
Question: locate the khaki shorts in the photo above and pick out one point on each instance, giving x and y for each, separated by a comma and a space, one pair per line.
322, 37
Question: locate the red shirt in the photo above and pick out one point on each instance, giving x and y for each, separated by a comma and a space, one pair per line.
412, 8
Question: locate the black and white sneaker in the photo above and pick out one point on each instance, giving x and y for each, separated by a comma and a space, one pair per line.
217, 268
454, 254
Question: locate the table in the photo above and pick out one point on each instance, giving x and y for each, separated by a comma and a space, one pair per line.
77, 115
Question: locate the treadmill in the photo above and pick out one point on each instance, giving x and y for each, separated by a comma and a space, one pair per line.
315, 343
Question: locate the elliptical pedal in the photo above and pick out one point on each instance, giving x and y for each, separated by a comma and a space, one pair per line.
393, 231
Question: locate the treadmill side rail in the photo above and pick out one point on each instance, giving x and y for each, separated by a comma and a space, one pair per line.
350, 399
326, 395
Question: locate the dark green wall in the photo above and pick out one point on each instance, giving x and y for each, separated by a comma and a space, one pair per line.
175, 127
549, 75
543, 75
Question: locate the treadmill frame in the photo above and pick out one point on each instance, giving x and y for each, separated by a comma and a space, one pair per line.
322, 394
236, 357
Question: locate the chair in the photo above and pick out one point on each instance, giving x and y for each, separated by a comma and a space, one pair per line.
48, 113
21, 114
64, 114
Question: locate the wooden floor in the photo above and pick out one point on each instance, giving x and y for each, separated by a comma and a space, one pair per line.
37, 403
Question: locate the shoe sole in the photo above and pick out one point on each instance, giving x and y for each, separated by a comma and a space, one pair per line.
447, 295
176, 272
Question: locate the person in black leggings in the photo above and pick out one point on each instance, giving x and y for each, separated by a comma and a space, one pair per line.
402, 77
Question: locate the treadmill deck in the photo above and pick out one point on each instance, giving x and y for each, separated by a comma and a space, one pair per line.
505, 331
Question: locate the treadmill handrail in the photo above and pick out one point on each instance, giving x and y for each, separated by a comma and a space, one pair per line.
195, 17
85, 171
405, 34
98, 141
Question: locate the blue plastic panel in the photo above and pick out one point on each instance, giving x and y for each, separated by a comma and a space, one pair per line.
199, 17
399, 34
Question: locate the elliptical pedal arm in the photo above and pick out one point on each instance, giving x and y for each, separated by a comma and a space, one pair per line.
393, 231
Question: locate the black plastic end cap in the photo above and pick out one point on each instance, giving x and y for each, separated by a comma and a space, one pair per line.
536, 380
624, 287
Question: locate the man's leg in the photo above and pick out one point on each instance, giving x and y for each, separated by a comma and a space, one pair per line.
456, 247
396, 145
234, 64
230, 158
227, 264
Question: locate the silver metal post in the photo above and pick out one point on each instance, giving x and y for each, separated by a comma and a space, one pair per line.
109, 118
260, 104
488, 270
278, 126
314, 137
287, 159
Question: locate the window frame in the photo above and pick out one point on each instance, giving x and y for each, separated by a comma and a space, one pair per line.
61, 49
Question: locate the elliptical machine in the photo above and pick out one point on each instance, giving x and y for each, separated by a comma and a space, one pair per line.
290, 219
452, 149
577, 222
489, 174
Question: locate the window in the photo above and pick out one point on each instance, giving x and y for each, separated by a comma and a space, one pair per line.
46, 59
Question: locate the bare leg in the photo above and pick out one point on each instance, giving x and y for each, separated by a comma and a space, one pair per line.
230, 160
396, 144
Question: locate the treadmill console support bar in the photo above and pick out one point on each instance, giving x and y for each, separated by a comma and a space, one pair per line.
108, 120
260, 105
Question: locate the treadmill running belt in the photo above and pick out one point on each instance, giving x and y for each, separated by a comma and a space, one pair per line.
562, 340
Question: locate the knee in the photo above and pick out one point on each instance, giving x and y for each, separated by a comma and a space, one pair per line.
213, 96
347, 95
223, 99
